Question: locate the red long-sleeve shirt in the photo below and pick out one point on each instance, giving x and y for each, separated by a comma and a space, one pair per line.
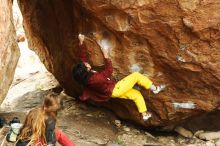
63, 139
100, 86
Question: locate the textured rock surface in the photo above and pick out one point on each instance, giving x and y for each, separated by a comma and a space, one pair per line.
9, 52
173, 42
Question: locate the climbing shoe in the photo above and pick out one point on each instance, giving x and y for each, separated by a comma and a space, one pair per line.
147, 116
159, 89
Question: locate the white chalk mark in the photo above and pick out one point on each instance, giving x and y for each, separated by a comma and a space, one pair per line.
187, 105
109, 18
159, 74
105, 44
191, 54
183, 47
135, 68
180, 59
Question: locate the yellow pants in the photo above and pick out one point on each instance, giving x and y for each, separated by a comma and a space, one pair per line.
124, 89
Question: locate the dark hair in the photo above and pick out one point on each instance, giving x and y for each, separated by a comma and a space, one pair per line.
80, 73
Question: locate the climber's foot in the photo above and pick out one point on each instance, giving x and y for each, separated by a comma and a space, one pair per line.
146, 116
159, 89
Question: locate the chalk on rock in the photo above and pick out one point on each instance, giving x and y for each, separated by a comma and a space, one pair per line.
180, 59
187, 105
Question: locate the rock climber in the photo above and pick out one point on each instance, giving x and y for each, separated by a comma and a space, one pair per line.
99, 87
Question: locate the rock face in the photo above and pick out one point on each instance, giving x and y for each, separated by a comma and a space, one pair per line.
9, 52
173, 42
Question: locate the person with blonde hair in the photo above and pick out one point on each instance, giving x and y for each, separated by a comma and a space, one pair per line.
39, 127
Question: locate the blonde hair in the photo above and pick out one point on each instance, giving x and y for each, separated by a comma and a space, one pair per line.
34, 125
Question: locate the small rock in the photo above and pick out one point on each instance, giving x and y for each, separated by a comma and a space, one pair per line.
149, 135
209, 135
126, 129
210, 143
98, 141
172, 144
194, 140
136, 131
217, 142
89, 115
183, 132
172, 141
102, 115
118, 123
198, 132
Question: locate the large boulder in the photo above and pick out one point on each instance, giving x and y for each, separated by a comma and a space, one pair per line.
173, 42
9, 52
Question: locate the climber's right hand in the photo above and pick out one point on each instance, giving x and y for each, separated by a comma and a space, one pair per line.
81, 38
